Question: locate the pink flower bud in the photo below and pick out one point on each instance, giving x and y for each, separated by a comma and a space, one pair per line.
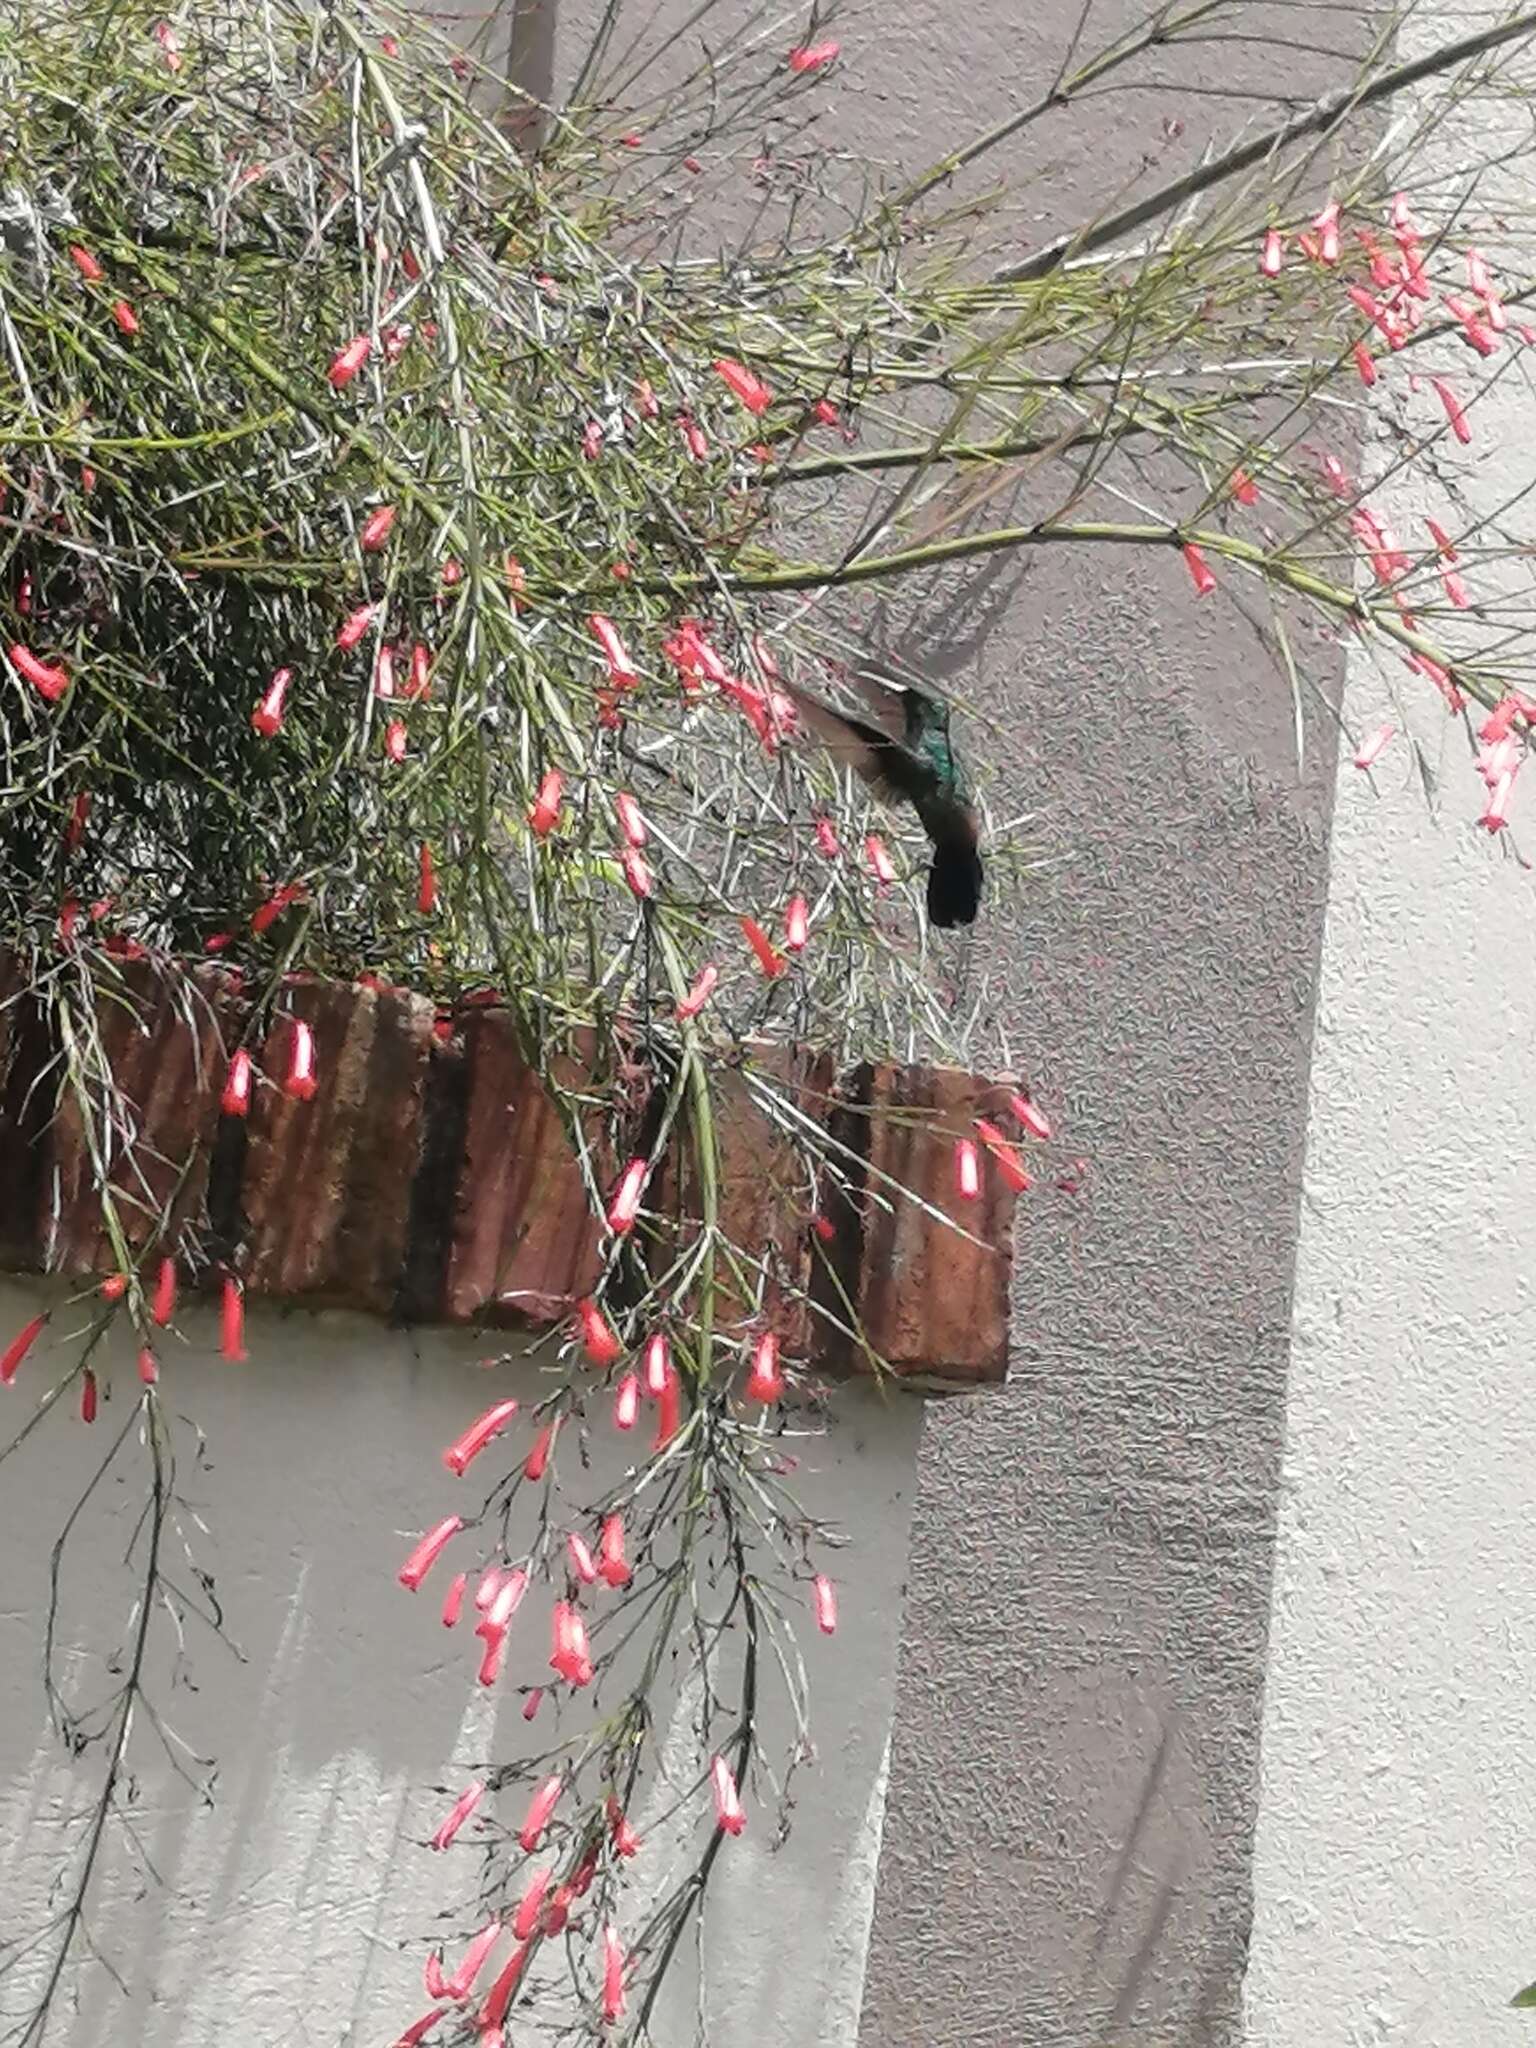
625, 1841
765, 1382
638, 874
376, 529
236, 1099
1273, 255
645, 399
544, 813
748, 387
453, 1600
569, 1652
796, 925
472, 1962
1009, 1165
1496, 813
620, 667
824, 1601
1371, 747
728, 1808
813, 56
267, 718
613, 1975
474, 1440
583, 1564
631, 819
591, 441
88, 1396
597, 1337
355, 625
530, 1904
86, 264
458, 1813
432, 1976
1327, 225
694, 439
613, 1564
626, 1402
300, 1083
163, 1307
1243, 487
537, 1460
395, 740
1453, 409
418, 2030
1199, 570
703, 988
881, 866
50, 683
232, 1322
1030, 1115
826, 838
669, 1413
149, 1371
658, 1365
625, 1205
346, 364
420, 682
967, 1170
540, 1807
428, 1551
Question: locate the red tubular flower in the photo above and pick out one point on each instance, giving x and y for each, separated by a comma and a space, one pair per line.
49, 682
472, 1962
1273, 254
395, 739
669, 1413
346, 364
613, 1975
530, 1904
1009, 1164
163, 1307
613, 1564
638, 874
88, 1396
620, 667
967, 1170
583, 1563
796, 924
826, 838
824, 1603
428, 1551
1365, 363
824, 1228
729, 1812
825, 413
426, 889
625, 1841
1371, 748
570, 1654
597, 1338
453, 1600
458, 1813
494, 2011
300, 1084
591, 441
1442, 540
1455, 589
769, 959
435, 1982
1030, 1115
114, 1287
1327, 225
765, 1382
700, 993
694, 439
658, 1365
626, 1402
376, 529
149, 1371
17, 1349
170, 44
384, 673
127, 320
1243, 487
813, 56
1199, 569
537, 1460
881, 866
625, 1205
74, 831
420, 683
540, 1807
86, 264
1453, 409
645, 400
236, 1099
544, 812
270, 911
631, 819
1496, 812
267, 718
69, 917
355, 625
747, 385
467, 1447
232, 1322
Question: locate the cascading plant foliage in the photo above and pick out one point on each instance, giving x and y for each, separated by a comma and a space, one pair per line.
404, 573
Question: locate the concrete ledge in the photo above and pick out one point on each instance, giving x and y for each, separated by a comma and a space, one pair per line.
430, 1179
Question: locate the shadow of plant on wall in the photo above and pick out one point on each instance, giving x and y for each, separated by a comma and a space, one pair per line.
408, 581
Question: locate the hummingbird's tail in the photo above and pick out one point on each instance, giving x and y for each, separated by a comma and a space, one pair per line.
954, 880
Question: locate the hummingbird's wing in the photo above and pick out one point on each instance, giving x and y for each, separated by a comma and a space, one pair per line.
888, 767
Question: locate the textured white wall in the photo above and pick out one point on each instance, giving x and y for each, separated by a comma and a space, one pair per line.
1394, 1872
296, 1910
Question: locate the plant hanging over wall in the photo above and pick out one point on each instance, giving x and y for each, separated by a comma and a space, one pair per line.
404, 578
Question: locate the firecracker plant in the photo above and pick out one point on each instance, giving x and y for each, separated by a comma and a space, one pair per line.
405, 579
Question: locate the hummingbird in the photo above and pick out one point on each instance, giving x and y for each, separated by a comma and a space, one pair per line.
921, 767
